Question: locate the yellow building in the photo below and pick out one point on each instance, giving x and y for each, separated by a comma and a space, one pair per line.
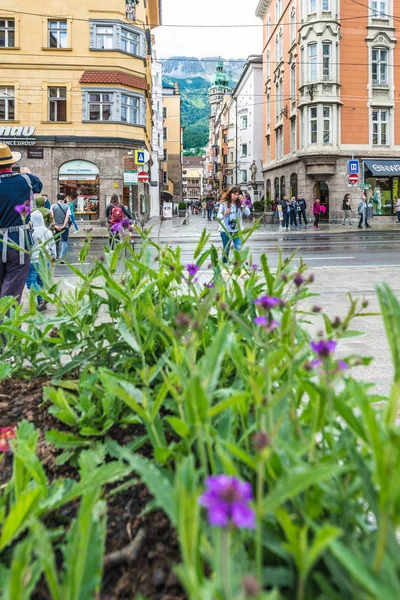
75, 94
173, 144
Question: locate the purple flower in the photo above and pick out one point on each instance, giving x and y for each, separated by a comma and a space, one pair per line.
227, 501
210, 285
23, 209
298, 280
342, 366
324, 348
272, 325
262, 321
268, 302
192, 269
255, 267
126, 223
116, 228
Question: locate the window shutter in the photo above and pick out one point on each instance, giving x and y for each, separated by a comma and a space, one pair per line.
92, 36
142, 112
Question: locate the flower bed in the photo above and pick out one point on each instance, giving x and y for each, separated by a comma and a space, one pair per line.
195, 443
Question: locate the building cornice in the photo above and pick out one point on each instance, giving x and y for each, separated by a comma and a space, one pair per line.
262, 8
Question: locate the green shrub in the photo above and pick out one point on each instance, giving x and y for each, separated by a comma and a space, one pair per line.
182, 206
258, 206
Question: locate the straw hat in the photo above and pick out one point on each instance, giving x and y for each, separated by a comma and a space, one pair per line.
7, 157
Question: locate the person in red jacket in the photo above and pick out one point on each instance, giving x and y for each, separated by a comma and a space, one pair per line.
316, 212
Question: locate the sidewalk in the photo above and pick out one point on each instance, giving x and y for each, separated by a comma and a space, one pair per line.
173, 229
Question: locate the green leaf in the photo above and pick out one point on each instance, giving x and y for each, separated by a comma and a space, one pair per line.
18, 516
45, 553
129, 337
324, 538
295, 483
179, 426
24, 572
361, 573
5, 370
61, 439
391, 317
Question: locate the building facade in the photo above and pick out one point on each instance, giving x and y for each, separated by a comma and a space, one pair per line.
193, 178
330, 81
75, 95
157, 154
249, 122
173, 144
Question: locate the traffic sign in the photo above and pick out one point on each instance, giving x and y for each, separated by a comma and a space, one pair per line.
143, 177
139, 156
353, 178
353, 167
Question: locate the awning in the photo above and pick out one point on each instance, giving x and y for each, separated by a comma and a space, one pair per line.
383, 167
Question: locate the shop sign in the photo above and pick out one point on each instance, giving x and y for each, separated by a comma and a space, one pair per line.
35, 153
383, 167
130, 177
79, 168
167, 210
17, 136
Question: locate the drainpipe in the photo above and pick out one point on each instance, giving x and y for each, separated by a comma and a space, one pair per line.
236, 145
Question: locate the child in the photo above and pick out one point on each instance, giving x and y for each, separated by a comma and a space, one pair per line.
40, 235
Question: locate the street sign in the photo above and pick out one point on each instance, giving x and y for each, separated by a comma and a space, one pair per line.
143, 177
364, 186
353, 178
130, 177
353, 167
139, 156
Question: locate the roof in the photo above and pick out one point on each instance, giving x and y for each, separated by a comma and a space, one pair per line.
192, 161
113, 77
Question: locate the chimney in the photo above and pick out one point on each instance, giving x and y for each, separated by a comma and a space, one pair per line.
176, 86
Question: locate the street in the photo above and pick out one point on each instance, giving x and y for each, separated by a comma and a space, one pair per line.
351, 261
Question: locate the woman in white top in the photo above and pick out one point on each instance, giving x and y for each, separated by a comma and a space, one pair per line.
230, 213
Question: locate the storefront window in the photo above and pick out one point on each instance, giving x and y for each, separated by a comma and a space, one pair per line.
80, 180
383, 191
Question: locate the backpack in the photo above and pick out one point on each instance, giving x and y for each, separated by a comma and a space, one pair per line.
117, 214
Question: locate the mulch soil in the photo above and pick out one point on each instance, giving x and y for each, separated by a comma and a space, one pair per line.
151, 573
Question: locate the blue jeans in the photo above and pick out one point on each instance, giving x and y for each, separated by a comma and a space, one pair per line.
34, 280
72, 217
62, 243
293, 219
285, 222
226, 244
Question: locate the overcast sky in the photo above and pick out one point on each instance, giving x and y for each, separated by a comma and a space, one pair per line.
225, 42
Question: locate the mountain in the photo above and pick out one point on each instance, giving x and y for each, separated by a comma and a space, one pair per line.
194, 76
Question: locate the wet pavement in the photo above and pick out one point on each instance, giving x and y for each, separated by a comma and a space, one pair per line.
343, 260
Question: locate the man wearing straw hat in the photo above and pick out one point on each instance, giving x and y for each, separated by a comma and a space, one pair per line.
16, 200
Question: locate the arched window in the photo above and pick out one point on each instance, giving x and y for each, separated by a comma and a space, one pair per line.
283, 186
276, 188
326, 61
268, 190
293, 185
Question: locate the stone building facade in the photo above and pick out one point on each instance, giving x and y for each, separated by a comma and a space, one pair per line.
330, 80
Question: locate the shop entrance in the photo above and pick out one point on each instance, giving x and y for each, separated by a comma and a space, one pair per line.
321, 191
79, 179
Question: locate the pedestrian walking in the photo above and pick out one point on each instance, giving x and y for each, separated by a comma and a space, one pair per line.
316, 212
43, 242
47, 203
397, 208
302, 210
16, 199
293, 213
363, 212
115, 213
71, 205
40, 202
210, 209
204, 209
346, 209
285, 212
231, 211
61, 215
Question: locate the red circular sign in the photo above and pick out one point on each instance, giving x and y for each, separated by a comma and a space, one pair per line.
353, 178
143, 177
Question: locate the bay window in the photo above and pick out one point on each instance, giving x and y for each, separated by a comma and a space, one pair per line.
114, 105
113, 35
327, 124
326, 61
312, 62
129, 109
105, 38
313, 124
312, 7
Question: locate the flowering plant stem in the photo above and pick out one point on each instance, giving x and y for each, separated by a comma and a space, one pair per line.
259, 505
225, 563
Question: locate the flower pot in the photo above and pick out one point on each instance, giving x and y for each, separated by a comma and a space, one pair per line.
269, 217
182, 213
